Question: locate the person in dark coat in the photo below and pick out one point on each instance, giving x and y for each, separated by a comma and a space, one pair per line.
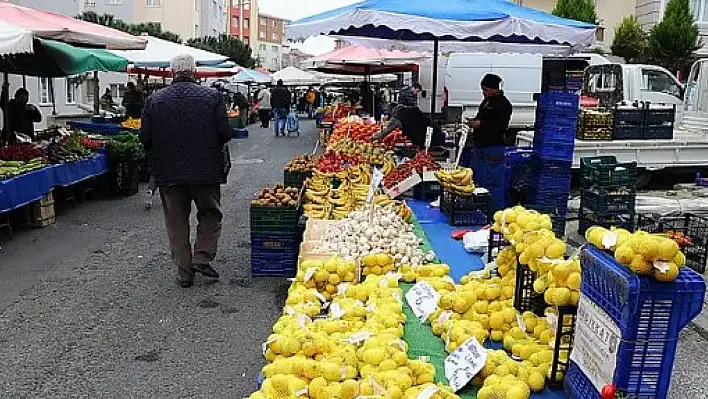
412, 122
492, 120
280, 101
185, 129
241, 102
408, 96
133, 101
21, 115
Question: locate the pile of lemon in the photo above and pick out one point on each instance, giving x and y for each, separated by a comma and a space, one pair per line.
325, 276
643, 253
514, 222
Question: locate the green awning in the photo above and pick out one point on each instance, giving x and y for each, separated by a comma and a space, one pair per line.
57, 59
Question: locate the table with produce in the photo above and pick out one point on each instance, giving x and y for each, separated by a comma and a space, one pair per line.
385, 303
106, 127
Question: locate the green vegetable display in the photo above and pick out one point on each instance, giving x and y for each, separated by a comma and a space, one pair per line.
125, 147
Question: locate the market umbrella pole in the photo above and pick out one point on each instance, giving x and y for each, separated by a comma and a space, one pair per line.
6, 115
436, 48
96, 94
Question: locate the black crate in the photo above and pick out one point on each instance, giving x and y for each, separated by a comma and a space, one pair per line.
632, 116
660, 116
496, 244
427, 190
525, 298
658, 132
692, 226
273, 220
565, 332
125, 178
601, 200
472, 210
628, 132
605, 171
588, 218
295, 179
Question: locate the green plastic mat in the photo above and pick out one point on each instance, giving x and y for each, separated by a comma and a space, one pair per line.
423, 343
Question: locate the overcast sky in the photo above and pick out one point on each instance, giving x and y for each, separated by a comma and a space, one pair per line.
295, 9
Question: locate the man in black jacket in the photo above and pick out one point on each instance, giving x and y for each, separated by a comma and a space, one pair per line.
20, 114
492, 119
280, 101
185, 128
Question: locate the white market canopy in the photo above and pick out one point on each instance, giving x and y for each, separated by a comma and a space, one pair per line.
14, 39
292, 76
159, 52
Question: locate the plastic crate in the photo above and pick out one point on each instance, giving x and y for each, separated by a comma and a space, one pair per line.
273, 220
563, 344
525, 298
660, 116
558, 214
558, 102
239, 133
295, 179
554, 134
548, 199
631, 116
270, 242
588, 218
594, 134
650, 315
627, 133
461, 210
550, 175
605, 171
692, 226
561, 119
273, 264
496, 244
427, 190
125, 178
601, 200
659, 132
555, 150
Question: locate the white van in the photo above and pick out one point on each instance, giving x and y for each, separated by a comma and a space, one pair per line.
522, 76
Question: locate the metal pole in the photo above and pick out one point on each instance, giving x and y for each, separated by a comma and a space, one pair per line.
96, 94
6, 115
436, 48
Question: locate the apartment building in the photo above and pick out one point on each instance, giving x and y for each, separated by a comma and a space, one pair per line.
650, 12
271, 40
609, 13
187, 18
122, 9
242, 21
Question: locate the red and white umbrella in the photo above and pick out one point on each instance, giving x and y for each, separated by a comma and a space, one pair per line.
14, 40
47, 25
358, 60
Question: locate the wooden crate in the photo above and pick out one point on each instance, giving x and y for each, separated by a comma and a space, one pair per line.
40, 214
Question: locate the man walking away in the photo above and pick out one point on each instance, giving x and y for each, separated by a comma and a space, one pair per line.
241, 102
185, 129
280, 101
133, 101
264, 106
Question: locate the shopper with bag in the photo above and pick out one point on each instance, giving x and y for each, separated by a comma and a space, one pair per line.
280, 101
264, 106
185, 129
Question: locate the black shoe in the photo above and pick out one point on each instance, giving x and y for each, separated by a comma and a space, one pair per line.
205, 270
186, 283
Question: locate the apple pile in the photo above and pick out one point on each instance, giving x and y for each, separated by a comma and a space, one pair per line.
401, 173
423, 161
395, 137
355, 130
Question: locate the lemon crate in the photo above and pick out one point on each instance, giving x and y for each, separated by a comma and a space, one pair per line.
588, 218
602, 200
497, 242
563, 343
525, 298
694, 229
649, 316
274, 254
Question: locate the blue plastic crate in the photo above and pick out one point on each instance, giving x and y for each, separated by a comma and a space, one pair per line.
650, 316
550, 174
239, 133
554, 151
270, 242
553, 134
556, 119
273, 264
559, 102
551, 199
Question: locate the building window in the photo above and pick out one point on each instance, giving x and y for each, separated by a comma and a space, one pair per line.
699, 8
246, 5
275, 37
196, 30
246, 23
245, 41
262, 35
234, 21
45, 92
117, 91
153, 3
600, 34
262, 47
275, 24
214, 8
70, 92
274, 48
114, 2
263, 22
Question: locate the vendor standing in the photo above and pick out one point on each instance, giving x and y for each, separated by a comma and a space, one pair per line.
21, 115
133, 101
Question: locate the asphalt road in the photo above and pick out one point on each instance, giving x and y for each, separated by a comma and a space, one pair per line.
90, 307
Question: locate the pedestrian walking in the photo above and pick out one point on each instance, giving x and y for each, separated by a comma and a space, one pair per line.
264, 106
185, 129
280, 101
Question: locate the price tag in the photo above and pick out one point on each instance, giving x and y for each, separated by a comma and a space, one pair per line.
336, 311
428, 392
317, 146
376, 177
464, 363
552, 320
320, 297
662, 266
429, 175
423, 299
596, 343
359, 337
461, 146
609, 239
444, 316
428, 137
520, 322
308, 274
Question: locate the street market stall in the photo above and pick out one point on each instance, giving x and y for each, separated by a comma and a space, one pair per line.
246, 75
292, 76
395, 295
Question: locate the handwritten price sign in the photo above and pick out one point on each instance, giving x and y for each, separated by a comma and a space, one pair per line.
464, 363
423, 300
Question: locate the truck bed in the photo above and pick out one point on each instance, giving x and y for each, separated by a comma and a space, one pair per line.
687, 148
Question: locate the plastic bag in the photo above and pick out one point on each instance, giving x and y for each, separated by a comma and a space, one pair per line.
476, 241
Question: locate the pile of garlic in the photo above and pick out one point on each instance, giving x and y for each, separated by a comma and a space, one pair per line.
363, 233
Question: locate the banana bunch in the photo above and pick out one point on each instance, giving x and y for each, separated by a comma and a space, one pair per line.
457, 181
401, 208
322, 201
388, 166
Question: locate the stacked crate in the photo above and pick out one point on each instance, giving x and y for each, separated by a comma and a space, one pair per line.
552, 159
275, 241
609, 194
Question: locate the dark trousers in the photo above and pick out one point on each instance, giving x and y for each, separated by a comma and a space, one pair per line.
177, 206
264, 115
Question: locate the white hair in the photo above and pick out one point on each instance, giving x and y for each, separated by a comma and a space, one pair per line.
183, 64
